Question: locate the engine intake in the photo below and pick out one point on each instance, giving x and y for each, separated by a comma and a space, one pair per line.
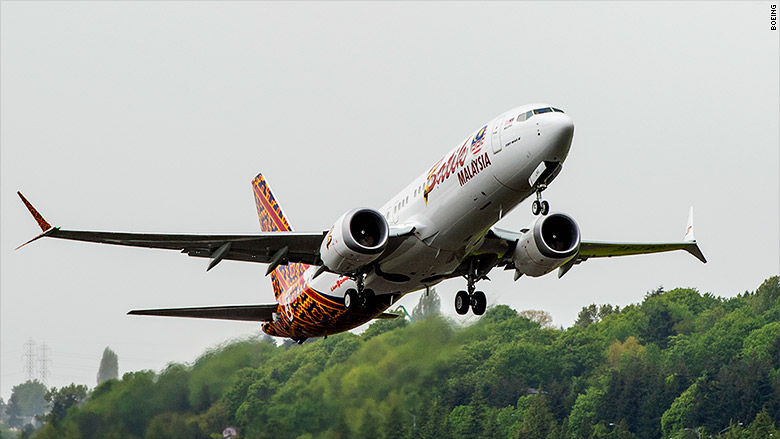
356, 239
550, 242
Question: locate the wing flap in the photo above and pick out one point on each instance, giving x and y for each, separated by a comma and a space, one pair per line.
247, 313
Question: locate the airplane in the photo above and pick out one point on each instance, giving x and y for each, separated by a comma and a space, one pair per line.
440, 226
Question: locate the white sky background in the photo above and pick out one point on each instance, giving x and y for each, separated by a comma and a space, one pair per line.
147, 117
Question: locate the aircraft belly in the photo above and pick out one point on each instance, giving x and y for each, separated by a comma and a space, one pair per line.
314, 314
418, 261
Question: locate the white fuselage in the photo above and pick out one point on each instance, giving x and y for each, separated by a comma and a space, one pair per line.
468, 191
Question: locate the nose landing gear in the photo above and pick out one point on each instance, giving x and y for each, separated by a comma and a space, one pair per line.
474, 299
539, 205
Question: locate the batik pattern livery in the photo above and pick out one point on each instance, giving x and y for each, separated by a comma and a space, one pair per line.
308, 313
272, 219
42, 223
303, 311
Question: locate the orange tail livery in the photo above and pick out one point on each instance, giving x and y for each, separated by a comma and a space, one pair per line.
272, 219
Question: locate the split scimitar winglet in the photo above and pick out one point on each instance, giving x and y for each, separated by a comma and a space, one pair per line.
46, 228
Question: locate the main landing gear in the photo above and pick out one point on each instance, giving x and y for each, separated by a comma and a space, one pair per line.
539, 205
360, 297
474, 299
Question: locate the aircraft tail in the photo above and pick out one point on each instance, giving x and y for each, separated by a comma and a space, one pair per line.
272, 219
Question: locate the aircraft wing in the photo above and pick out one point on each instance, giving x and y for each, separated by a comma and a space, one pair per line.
499, 244
590, 249
302, 247
609, 249
273, 248
261, 247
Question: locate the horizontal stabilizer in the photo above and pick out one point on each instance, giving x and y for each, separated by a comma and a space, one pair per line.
249, 313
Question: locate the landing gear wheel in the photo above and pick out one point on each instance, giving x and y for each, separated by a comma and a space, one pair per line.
479, 303
536, 207
350, 298
462, 302
545, 207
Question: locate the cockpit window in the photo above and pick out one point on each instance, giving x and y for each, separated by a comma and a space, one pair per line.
527, 115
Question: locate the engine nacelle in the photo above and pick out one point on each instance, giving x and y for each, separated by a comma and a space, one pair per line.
356, 239
549, 243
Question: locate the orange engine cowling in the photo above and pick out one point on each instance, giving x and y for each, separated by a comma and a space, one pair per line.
356, 239
550, 242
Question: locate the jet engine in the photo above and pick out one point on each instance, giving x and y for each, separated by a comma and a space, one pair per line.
356, 239
550, 242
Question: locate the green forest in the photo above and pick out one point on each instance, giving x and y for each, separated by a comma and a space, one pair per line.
680, 364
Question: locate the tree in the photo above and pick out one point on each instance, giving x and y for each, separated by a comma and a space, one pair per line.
660, 322
109, 366
543, 318
380, 326
656, 292
27, 400
63, 399
594, 314
439, 379
429, 305
587, 315
681, 411
370, 424
537, 420
762, 426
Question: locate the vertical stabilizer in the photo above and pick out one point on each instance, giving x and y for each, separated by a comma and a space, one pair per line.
272, 219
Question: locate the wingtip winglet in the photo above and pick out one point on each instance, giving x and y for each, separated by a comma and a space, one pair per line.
689, 227
42, 223
694, 249
46, 228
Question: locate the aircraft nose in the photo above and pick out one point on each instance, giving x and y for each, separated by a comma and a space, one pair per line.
561, 132
562, 125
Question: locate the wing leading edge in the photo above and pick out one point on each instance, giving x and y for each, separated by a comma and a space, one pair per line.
500, 243
261, 247
277, 248
608, 249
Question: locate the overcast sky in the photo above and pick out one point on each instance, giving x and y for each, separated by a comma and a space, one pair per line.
155, 117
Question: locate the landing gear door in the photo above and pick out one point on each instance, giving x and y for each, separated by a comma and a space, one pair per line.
495, 136
536, 174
